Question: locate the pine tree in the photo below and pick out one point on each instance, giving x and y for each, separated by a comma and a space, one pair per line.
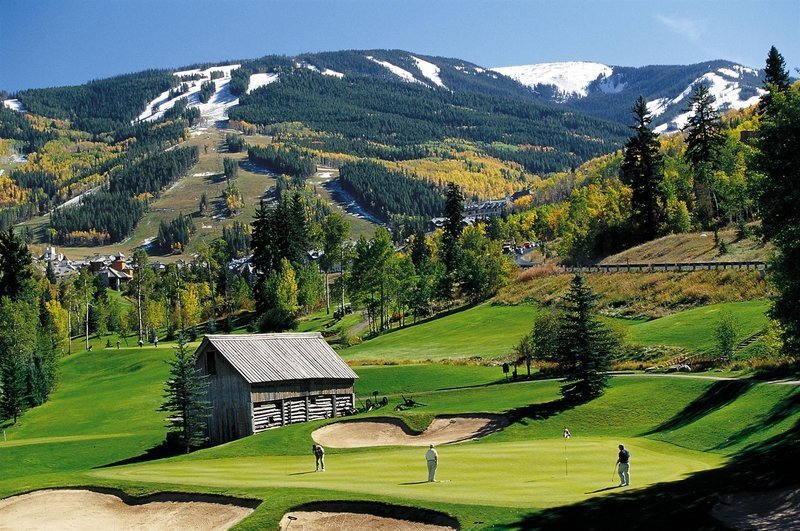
15, 264
704, 140
203, 208
450, 251
642, 168
14, 398
585, 345
778, 197
185, 397
231, 168
776, 78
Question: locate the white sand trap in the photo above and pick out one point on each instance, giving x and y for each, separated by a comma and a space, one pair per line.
777, 509
82, 509
393, 432
325, 521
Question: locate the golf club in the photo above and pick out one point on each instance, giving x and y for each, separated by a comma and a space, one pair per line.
613, 471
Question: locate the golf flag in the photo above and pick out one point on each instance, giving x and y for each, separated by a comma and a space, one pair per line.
567, 434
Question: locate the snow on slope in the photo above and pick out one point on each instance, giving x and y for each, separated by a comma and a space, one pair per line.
324, 72
14, 105
260, 80
570, 78
215, 109
726, 92
658, 106
429, 70
403, 74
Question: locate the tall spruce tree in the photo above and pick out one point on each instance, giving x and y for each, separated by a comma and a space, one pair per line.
704, 140
14, 396
15, 264
779, 194
450, 251
642, 169
584, 346
186, 398
776, 79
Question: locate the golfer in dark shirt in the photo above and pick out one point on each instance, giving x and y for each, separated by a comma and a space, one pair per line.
624, 466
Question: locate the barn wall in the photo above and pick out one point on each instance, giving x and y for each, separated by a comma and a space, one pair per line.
229, 395
284, 403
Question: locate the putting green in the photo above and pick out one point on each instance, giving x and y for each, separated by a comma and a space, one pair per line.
527, 474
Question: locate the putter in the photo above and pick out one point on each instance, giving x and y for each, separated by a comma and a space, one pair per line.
613, 471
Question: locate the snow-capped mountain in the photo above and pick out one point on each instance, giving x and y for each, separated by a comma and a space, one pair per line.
570, 79
609, 91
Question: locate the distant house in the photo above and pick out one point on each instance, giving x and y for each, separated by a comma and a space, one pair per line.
263, 381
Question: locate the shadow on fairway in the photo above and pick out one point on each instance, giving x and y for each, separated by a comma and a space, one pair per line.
161, 451
684, 504
780, 412
415, 483
303, 473
718, 395
603, 489
540, 411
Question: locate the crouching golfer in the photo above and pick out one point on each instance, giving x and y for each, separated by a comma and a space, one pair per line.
433, 460
319, 454
624, 466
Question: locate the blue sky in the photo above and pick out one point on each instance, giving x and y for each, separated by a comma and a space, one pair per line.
59, 42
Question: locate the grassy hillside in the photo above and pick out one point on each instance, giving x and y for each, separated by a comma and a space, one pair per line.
104, 412
694, 247
640, 295
489, 331
184, 197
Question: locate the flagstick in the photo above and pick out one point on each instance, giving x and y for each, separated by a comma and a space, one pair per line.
566, 470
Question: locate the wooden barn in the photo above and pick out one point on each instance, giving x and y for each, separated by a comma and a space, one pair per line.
263, 381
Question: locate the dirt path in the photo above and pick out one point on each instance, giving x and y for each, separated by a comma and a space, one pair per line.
393, 432
328, 521
82, 509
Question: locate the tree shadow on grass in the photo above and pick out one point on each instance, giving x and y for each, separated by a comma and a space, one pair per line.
721, 393
780, 412
684, 504
541, 411
161, 451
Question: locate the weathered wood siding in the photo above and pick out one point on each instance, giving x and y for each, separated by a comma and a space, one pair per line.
267, 392
229, 395
282, 403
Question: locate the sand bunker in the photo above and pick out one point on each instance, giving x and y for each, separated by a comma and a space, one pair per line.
325, 521
393, 432
778, 509
83, 509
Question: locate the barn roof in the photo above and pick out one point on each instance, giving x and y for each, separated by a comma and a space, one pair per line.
280, 357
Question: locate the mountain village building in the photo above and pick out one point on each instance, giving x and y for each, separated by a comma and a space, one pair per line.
263, 381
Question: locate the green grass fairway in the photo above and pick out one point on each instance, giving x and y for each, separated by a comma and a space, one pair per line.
694, 329
515, 474
104, 412
490, 331
486, 331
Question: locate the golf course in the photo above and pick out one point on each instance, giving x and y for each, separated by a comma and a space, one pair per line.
101, 430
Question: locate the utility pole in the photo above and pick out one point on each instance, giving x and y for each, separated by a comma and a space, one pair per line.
86, 293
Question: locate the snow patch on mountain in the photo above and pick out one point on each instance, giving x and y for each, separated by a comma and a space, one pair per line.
429, 70
324, 72
571, 79
658, 106
403, 74
728, 72
260, 80
727, 94
214, 110
611, 86
14, 105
